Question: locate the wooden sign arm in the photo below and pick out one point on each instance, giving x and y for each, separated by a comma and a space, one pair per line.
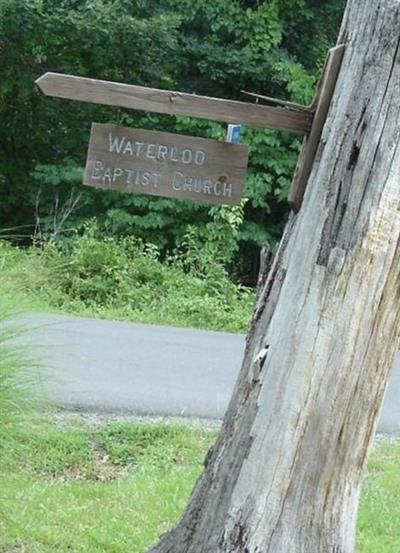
174, 103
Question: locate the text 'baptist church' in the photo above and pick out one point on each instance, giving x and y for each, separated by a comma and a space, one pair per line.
167, 165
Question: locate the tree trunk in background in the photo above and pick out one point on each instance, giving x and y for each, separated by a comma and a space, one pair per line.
285, 473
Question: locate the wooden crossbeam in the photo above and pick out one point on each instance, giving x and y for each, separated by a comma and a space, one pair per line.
174, 103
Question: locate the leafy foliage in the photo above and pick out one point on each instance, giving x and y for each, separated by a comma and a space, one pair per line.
124, 278
217, 48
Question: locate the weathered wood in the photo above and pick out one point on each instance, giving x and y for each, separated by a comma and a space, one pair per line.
173, 103
277, 102
165, 164
320, 105
285, 473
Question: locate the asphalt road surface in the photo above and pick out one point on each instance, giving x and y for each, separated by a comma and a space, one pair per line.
119, 367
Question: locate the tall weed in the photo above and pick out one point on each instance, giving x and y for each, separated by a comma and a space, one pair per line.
11, 367
124, 278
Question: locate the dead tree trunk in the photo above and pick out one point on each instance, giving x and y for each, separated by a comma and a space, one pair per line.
285, 473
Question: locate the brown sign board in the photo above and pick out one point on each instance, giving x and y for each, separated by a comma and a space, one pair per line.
165, 164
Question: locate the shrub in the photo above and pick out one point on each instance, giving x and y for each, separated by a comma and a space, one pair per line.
124, 278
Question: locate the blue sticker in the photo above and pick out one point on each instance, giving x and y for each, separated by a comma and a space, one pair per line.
234, 133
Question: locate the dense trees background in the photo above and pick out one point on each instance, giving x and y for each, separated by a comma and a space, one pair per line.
218, 48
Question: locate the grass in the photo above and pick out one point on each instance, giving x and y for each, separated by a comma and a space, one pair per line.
115, 487
123, 280
379, 515
16, 375
81, 489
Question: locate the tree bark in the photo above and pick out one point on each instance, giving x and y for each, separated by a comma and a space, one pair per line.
285, 473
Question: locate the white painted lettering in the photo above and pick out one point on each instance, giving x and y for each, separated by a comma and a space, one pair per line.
176, 183
198, 186
115, 143
156, 179
146, 177
117, 173
128, 148
187, 185
151, 151
97, 169
139, 146
162, 153
187, 156
129, 172
137, 178
227, 189
217, 188
173, 154
199, 157
107, 175
207, 186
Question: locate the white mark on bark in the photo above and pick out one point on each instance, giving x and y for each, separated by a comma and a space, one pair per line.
257, 365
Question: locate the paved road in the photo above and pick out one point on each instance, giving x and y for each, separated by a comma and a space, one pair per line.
141, 369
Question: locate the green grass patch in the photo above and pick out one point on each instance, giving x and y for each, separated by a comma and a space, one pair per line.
117, 486
113, 488
158, 445
379, 514
124, 279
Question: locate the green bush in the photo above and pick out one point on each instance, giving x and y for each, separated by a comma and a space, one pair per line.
123, 278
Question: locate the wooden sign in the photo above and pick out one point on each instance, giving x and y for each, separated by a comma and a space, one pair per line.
165, 164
